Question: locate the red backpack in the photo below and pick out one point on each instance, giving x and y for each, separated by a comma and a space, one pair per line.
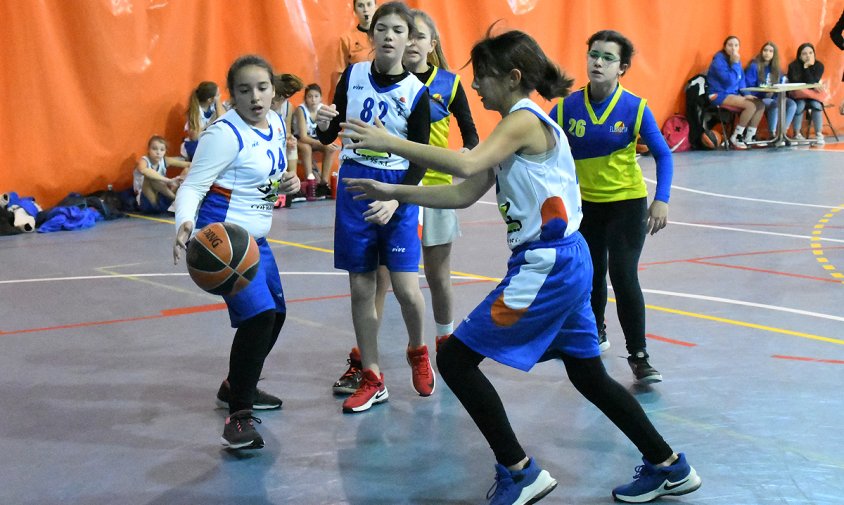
676, 133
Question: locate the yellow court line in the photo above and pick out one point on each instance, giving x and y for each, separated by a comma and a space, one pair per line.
653, 307
747, 325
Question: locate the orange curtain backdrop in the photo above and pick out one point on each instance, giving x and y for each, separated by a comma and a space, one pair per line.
87, 82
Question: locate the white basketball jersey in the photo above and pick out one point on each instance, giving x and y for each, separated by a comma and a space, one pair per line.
245, 190
138, 177
310, 124
391, 104
539, 200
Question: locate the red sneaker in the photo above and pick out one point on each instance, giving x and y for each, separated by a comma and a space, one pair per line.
424, 380
441, 340
371, 391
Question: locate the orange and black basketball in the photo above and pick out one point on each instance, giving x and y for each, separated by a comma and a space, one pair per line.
222, 258
710, 139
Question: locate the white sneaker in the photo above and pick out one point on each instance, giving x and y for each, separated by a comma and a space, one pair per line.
738, 142
799, 136
819, 140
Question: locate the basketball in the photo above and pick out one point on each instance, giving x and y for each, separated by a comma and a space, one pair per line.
710, 139
222, 258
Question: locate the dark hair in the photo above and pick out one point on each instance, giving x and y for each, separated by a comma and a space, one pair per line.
205, 90
397, 8
497, 56
286, 85
803, 46
157, 138
245, 61
724, 44
313, 87
626, 53
776, 71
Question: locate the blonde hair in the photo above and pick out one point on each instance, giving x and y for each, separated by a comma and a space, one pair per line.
436, 57
203, 92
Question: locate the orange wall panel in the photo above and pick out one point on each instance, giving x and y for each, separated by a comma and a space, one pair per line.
87, 82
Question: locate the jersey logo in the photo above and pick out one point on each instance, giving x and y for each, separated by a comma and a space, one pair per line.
618, 127
438, 98
513, 225
357, 87
401, 106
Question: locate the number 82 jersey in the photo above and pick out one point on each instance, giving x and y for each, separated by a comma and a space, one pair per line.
392, 105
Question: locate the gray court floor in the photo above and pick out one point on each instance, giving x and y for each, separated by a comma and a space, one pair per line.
110, 359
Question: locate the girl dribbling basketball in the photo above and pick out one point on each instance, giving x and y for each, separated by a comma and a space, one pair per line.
237, 174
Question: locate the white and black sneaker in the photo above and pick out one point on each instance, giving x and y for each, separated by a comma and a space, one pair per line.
642, 370
261, 401
240, 433
603, 343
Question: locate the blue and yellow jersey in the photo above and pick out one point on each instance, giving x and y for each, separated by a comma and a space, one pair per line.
442, 86
603, 144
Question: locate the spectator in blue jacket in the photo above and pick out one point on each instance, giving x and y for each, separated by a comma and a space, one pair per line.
726, 78
765, 70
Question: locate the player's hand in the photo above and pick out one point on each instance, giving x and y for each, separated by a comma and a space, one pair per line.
367, 136
292, 143
182, 237
369, 189
380, 212
289, 183
331, 148
657, 216
324, 115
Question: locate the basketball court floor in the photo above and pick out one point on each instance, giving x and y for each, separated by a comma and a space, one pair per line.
110, 359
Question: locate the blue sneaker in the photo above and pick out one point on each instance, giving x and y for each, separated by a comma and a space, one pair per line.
651, 482
520, 487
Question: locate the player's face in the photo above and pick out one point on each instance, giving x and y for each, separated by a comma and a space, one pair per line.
253, 94
157, 151
421, 45
767, 53
364, 9
313, 99
490, 90
603, 62
390, 38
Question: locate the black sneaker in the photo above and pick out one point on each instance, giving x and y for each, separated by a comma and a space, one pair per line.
240, 433
644, 372
262, 400
603, 343
323, 191
298, 197
351, 380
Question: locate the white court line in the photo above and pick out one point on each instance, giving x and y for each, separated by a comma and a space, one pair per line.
743, 303
760, 232
181, 274
733, 197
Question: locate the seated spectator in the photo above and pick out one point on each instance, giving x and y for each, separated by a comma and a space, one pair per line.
287, 85
305, 130
154, 191
726, 78
765, 70
805, 68
204, 108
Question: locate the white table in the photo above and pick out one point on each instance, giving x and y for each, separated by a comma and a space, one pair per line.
781, 89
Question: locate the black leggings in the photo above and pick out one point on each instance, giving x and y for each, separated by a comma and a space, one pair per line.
253, 341
458, 365
616, 231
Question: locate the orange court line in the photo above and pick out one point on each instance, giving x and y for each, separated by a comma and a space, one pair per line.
766, 271
813, 360
670, 340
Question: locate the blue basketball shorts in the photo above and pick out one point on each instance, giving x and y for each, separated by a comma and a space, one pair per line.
539, 310
145, 206
262, 294
360, 246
